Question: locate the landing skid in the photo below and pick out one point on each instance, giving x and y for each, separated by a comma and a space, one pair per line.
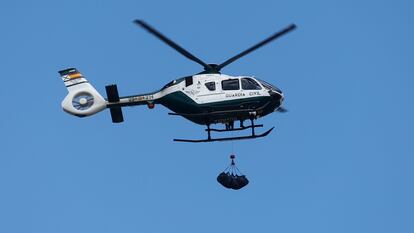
229, 128
227, 139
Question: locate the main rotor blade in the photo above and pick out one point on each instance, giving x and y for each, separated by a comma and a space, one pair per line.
251, 49
172, 44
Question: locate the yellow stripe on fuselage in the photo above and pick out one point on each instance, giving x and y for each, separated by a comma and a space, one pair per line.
76, 75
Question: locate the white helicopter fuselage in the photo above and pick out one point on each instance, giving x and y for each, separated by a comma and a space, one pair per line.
201, 98
212, 93
205, 89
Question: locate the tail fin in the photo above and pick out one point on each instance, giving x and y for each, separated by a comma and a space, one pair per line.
82, 99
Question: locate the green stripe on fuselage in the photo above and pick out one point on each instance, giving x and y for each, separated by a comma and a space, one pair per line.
180, 103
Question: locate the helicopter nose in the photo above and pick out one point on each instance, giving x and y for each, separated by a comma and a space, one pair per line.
277, 98
276, 95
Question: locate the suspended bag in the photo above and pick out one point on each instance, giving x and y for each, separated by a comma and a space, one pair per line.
231, 177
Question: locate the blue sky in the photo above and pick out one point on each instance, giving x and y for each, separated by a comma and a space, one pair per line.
339, 161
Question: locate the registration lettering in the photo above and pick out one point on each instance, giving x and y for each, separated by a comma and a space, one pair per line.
141, 98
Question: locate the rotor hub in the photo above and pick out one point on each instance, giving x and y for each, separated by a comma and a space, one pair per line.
211, 69
83, 101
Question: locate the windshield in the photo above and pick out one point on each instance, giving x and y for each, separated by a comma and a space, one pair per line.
269, 86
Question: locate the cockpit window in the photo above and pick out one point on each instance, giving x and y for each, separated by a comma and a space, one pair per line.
211, 86
269, 86
230, 84
250, 84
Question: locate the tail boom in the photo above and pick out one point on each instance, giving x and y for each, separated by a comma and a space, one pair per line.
84, 100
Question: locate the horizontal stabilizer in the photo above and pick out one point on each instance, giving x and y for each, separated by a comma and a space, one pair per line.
113, 97
112, 93
116, 115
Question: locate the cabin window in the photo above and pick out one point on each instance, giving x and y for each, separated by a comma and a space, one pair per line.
211, 86
230, 84
250, 84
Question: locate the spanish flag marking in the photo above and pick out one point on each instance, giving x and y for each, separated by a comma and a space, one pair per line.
75, 75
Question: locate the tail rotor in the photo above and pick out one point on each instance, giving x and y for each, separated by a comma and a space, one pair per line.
83, 99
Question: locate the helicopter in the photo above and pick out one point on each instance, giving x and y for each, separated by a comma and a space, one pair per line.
205, 98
